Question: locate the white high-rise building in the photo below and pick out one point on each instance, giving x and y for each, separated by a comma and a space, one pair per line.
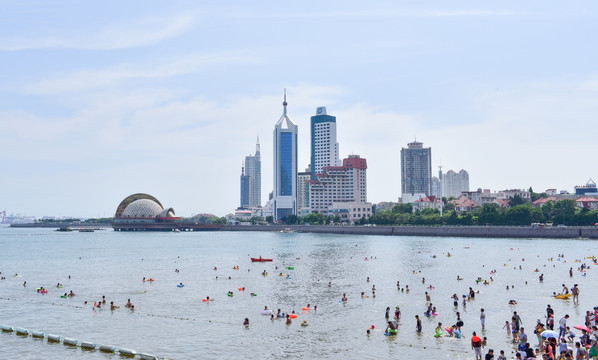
453, 183
324, 148
253, 169
285, 166
337, 184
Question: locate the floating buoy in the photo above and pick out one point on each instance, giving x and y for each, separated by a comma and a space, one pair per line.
52, 337
21, 331
87, 345
127, 352
7, 328
38, 334
107, 348
147, 356
69, 341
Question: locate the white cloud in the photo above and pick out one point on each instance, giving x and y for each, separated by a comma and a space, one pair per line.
83, 80
130, 34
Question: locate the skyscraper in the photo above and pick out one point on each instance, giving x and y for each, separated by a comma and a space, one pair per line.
253, 169
285, 166
303, 188
453, 183
244, 203
324, 148
416, 171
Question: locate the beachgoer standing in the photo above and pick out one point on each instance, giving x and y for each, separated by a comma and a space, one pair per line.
522, 337
549, 313
418, 324
563, 326
483, 319
575, 292
476, 345
459, 322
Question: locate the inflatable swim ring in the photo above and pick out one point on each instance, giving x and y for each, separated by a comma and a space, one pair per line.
180, 285
63, 296
241, 289
391, 332
305, 308
290, 268
438, 334
293, 316
266, 312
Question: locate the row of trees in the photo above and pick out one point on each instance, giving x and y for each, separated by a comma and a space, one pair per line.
520, 213
563, 212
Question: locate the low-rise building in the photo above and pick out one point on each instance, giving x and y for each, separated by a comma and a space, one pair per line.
587, 202
429, 202
463, 204
351, 211
543, 201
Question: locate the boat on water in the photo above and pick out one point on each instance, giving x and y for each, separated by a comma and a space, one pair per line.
260, 259
287, 230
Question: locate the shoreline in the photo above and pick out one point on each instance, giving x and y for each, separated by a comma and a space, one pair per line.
582, 232
528, 232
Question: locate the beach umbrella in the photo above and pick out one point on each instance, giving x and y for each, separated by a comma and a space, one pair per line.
550, 334
582, 327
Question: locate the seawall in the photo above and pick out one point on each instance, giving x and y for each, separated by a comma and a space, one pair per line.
447, 231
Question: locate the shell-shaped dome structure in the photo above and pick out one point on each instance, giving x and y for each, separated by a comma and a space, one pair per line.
142, 208
167, 213
129, 199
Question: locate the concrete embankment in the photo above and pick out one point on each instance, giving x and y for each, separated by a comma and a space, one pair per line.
448, 231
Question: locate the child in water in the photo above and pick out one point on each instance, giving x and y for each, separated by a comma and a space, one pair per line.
508, 327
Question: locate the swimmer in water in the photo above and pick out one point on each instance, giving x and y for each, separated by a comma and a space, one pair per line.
246, 322
344, 298
390, 328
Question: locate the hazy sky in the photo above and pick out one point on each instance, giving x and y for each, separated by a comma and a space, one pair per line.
100, 100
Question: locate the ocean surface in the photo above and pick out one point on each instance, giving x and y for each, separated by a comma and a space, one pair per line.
175, 323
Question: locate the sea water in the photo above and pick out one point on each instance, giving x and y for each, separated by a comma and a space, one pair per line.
175, 323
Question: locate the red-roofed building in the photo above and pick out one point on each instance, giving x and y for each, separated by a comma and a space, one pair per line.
341, 184
428, 202
463, 203
542, 201
587, 202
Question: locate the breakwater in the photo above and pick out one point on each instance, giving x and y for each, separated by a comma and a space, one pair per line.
446, 231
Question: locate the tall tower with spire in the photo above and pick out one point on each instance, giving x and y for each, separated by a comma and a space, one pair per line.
285, 165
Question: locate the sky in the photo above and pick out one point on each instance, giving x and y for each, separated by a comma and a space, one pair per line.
100, 100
